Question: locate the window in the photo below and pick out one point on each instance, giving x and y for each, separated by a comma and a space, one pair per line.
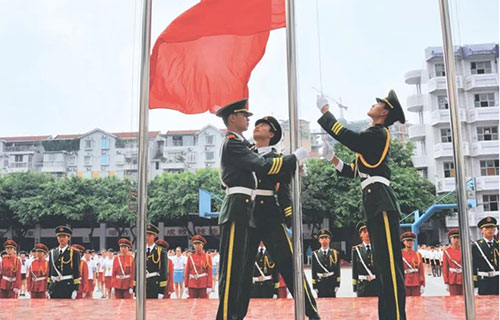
104, 174
489, 167
86, 160
177, 140
480, 67
191, 157
209, 140
443, 102
490, 202
157, 165
439, 68
18, 158
105, 160
446, 135
449, 169
105, 143
487, 133
209, 155
72, 160
88, 144
484, 100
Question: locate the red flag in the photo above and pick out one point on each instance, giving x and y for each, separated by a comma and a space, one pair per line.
204, 58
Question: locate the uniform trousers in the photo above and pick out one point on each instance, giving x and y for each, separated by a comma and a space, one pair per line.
197, 293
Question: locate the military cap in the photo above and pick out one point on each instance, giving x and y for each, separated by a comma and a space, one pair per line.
395, 110
275, 128
453, 233
487, 222
125, 243
41, 247
111, 250
23, 252
360, 226
61, 230
10, 244
78, 247
162, 243
198, 239
324, 233
234, 107
408, 236
92, 251
152, 229
88, 251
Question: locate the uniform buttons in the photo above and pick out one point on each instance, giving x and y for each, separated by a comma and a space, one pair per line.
369, 191
246, 200
261, 201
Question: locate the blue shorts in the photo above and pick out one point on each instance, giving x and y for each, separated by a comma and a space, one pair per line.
214, 271
178, 275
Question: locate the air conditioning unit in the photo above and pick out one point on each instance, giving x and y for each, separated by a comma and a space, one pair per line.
104, 151
104, 136
207, 148
103, 168
88, 168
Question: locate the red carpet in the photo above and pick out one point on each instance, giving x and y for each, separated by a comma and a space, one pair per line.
417, 308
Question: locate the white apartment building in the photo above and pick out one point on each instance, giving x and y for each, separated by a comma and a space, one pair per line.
19, 154
477, 82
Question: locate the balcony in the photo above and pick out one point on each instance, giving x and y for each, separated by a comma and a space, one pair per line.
419, 162
439, 84
21, 149
415, 103
413, 77
443, 116
173, 165
445, 185
487, 183
482, 114
480, 81
54, 166
444, 149
482, 148
416, 132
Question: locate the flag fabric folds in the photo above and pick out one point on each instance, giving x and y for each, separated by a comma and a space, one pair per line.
204, 58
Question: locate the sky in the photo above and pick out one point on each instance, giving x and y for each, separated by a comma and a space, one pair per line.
69, 66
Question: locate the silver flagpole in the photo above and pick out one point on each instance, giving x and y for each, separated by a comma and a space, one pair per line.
143, 156
463, 221
298, 281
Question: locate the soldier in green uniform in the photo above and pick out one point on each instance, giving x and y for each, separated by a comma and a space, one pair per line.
364, 280
379, 201
156, 260
64, 267
239, 166
485, 259
266, 277
325, 267
273, 209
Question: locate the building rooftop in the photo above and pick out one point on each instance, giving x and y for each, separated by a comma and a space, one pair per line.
25, 138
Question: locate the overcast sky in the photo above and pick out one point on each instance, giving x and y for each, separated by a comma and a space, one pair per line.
67, 66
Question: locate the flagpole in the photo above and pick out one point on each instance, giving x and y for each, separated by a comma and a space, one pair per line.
298, 281
463, 219
143, 156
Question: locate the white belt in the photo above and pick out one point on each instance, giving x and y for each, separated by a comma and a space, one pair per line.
490, 274
325, 274
9, 279
266, 278
374, 179
265, 193
35, 279
411, 271
455, 270
197, 276
61, 278
241, 190
121, 277
152, 274
366, 278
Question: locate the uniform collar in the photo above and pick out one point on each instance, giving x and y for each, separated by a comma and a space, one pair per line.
264, 150
239, 136
489, 241
367, 244
150, 247
63, 249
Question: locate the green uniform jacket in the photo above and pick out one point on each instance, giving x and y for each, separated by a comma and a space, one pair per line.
479, 264
239, 166
331, 263
68, 264
358, 269
268, 267
372, 158
156, 262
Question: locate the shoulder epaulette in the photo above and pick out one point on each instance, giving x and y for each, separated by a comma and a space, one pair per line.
231, 136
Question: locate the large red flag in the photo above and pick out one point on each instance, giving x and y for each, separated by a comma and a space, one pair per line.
204, 58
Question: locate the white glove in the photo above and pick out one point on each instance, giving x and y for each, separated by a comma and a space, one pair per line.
84, 294
476, 291
422, 289
336, 289
447, 288
16, 290
209, 290
301, 154
112, 290
326, 151
73, 295
316, 290
303, 170
47, 295
130, 291
321, 101
160, 296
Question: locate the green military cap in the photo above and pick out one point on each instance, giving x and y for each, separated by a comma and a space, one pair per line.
395, 110
487, 222
152, 229
275, 128
234, 107
63, 230
324, 233
360, 226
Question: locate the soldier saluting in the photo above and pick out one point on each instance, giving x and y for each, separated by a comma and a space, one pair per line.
364, 280
485, 258
325, 267
64, 267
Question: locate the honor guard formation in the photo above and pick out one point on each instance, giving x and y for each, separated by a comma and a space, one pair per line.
256, 253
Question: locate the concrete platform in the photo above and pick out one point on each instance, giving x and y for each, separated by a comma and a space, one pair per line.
417, 308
